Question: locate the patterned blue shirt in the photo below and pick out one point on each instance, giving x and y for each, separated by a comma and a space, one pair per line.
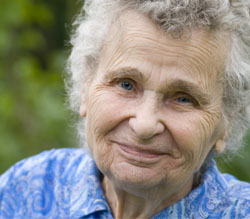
65, 183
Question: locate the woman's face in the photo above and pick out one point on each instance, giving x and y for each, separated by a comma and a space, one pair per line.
154, 109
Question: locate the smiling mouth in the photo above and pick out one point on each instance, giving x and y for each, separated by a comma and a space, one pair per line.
141, 153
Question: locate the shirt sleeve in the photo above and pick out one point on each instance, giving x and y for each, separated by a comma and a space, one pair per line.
11, 186
27, 188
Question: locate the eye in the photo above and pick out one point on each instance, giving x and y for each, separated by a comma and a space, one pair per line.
184, 100
126, 85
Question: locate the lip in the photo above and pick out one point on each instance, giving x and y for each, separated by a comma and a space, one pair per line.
136, 152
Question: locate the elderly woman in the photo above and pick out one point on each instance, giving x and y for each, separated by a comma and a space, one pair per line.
163, 86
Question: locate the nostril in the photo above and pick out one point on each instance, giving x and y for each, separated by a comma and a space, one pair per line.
160, 127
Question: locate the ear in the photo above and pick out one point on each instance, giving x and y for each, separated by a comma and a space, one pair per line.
83, 111
224, 129
83, 107
220, 145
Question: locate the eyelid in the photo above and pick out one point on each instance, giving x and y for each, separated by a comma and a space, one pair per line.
118, 80
114, 81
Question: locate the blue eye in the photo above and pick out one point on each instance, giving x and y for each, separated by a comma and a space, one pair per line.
126, 85
183, 100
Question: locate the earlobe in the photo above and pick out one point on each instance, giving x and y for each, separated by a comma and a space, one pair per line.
220, 146
83, 107
83, 110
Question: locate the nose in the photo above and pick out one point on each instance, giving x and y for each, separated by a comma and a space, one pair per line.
147, 122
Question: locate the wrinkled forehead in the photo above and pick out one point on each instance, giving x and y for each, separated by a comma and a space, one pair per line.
131, 30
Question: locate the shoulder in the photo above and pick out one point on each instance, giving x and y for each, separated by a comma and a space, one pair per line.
45, 162
227, 196
234, 201
236, 189
219, 196
225, 185
39, 184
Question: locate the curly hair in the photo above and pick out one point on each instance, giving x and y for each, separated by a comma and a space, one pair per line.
175, 17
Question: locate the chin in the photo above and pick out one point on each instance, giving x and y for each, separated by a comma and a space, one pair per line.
127, 175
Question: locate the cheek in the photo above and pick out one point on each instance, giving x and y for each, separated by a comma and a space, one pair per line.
105, 111
193, 133
101, 113
97, 128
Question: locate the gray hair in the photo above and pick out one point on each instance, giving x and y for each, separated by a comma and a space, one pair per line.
175, 17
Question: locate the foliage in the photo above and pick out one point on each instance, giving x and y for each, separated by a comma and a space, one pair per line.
238, 165
33, 116
33, 52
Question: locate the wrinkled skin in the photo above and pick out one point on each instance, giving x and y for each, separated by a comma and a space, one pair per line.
153, 112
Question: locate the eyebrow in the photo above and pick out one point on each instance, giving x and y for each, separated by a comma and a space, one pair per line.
172, 85
124, 72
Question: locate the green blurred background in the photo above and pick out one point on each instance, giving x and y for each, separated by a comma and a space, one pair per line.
34, 37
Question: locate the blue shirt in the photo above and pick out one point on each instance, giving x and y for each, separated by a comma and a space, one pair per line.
65, 183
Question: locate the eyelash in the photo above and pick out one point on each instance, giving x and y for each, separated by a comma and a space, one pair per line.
126, 85
125, 82
184, 97
184, 100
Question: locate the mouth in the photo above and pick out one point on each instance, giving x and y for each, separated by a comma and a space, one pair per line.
139, 152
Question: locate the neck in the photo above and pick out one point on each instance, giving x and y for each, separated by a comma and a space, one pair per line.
128, 203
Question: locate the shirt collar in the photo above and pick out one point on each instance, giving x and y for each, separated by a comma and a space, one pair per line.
86, 195
212, 187
211, 181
